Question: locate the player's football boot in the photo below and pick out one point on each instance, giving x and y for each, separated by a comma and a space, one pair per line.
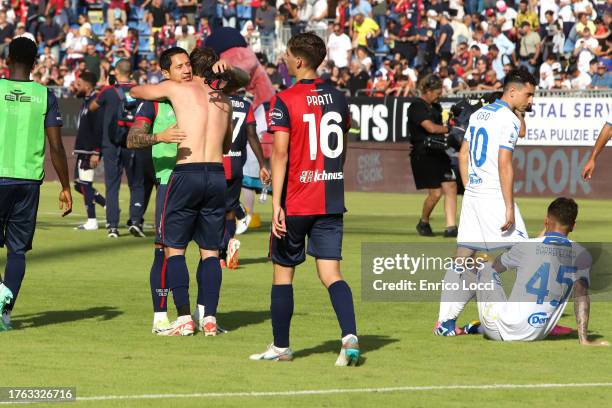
447, 328
349, 353
5, 297
274, 354
424, 229
209, 326
6, 320
160, 325
136, 230
472, 327
232, 253
559, 330
113, 233
90, 225
243, 224
183, 326
451, 232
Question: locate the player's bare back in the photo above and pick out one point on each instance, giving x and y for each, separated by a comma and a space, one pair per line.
204, 115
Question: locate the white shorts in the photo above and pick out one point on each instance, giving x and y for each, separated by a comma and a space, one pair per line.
480, 224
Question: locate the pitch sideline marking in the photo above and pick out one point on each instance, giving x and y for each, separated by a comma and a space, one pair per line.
342, 391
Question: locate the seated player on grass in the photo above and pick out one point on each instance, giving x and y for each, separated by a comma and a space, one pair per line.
548, 270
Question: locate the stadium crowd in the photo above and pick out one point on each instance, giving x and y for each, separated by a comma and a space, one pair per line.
376, 47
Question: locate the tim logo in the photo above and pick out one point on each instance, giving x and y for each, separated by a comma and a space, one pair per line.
474, 180
17, 96
538, 320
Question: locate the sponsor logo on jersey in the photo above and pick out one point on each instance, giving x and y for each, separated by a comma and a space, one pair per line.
276, 114
474, 180
310, 176
232, 153
18, 96
538, 320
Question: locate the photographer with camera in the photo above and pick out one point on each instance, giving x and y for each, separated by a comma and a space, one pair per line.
431, 166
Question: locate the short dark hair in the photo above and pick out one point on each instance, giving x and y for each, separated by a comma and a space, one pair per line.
89, 77
202, 60
519, 76
525, 24
165, 59
308, 46
23, 51
124, 67
564, 210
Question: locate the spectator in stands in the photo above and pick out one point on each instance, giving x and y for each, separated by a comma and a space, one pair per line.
584, 22
426, 45
339, 47
20, 31
363, 57
476, 76
230, 14
503, 43
188, 8
121, 30
204, 31
184, 26
586, 49
75, 44
251, 35
506, 16
491, 83
343, 14
497, 60
359, 78
54, 8
140, 74
287, 12
51, 35
7, 31
361, 7
265, 19
154, 76
209, 10
319, 14
402, 87
602, 79
444, 37
365, 31
530, 48
108, 41
462, 30
275, 76
186, 40
546, 72
157, 16
304, 14
92, 60
405, 37
117, 10
526, 15
579, 79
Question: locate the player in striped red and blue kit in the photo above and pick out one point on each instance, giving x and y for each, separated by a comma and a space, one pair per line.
243, 131
310, 122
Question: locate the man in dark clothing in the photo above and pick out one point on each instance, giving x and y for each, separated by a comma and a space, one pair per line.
87, 147
116, 159
51, 35
7, 31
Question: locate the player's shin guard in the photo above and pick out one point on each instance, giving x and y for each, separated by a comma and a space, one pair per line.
281, 311
178, 282
159, 286
342, 301
452, 302
209, 284
13, 275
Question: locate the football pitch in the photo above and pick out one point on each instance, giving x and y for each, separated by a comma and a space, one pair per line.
84, 317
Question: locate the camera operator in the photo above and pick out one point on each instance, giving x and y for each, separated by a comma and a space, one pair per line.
431, 166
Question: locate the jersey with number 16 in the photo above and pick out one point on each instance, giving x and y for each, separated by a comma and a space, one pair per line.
492, 127
316, 116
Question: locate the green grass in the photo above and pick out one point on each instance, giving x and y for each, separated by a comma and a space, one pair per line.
84, 314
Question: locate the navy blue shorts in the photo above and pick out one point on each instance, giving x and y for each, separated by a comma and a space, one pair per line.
160, 197
18, 209
232, 194
194, 207
324, 239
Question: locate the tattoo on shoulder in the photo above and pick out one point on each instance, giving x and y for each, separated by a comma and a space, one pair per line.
140, 136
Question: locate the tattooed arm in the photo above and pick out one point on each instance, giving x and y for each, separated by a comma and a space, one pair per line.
582, 306
140, 135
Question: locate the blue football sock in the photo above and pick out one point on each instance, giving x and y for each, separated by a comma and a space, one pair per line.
13, 275
209, 286
281, 310
342, 301
159, 287
178, 282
